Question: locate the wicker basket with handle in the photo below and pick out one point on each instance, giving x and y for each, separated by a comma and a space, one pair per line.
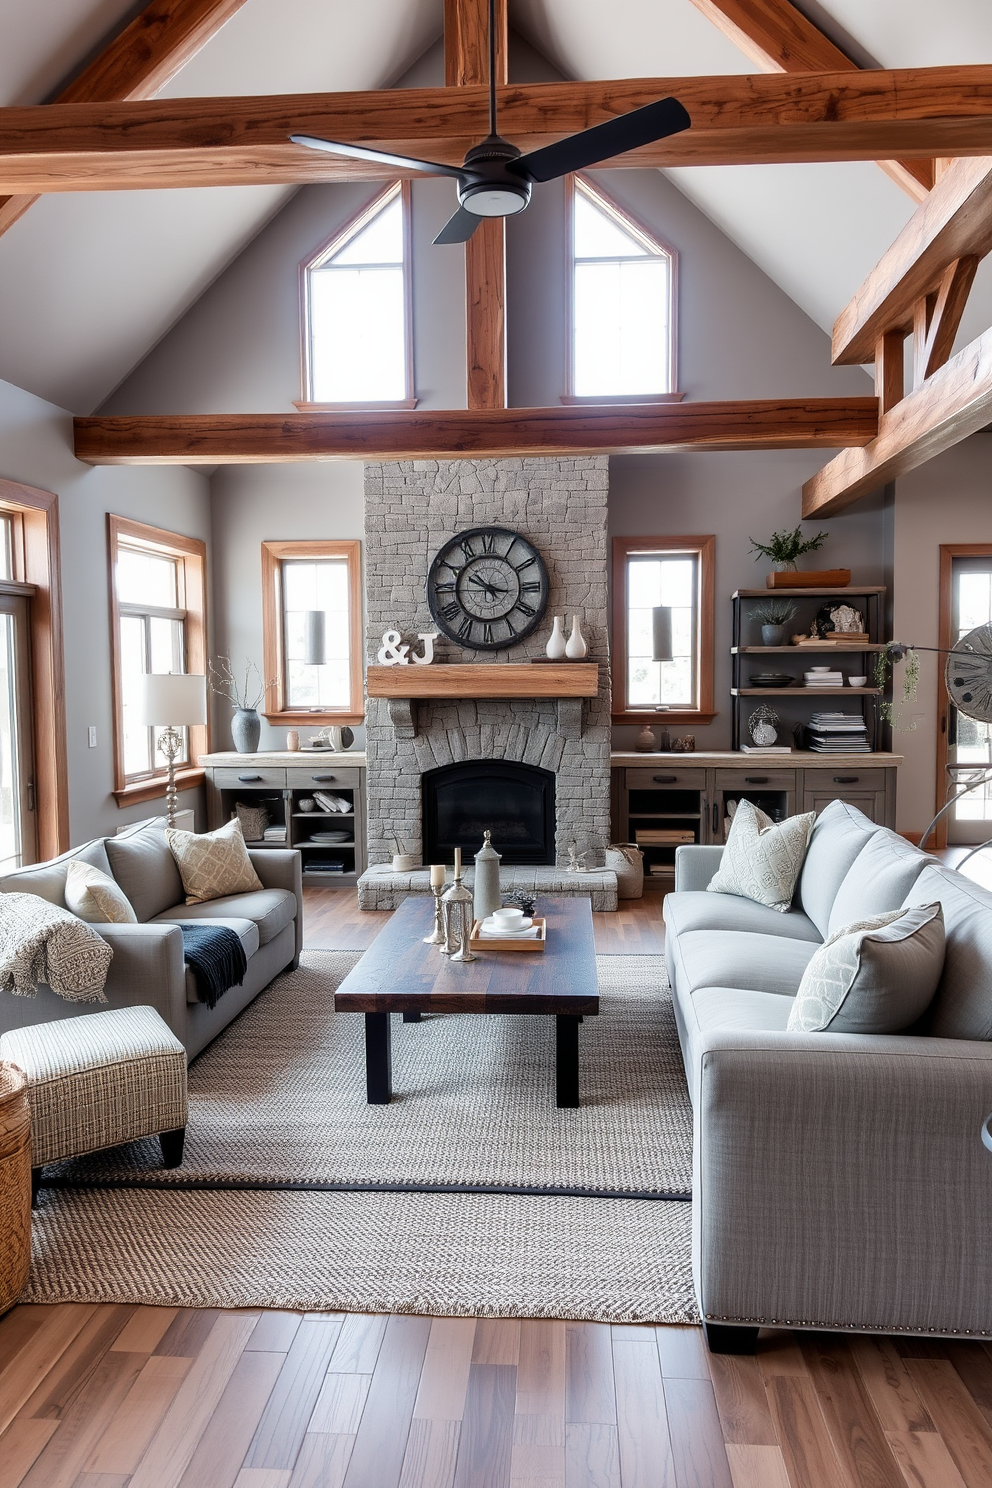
627, 862
15, 1184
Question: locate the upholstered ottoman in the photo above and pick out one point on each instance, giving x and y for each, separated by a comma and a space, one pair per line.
100, 1080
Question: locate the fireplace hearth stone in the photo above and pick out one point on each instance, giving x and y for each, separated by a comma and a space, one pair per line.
380, 888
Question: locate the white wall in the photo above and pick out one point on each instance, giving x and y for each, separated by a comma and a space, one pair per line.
946, 501
36, 449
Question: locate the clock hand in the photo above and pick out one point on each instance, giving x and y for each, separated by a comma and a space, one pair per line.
491, 589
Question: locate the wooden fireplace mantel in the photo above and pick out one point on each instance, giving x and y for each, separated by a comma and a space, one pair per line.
567, 683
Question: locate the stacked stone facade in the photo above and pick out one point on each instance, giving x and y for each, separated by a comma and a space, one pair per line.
411, 509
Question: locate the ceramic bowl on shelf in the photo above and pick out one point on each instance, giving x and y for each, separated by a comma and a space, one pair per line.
306, 803
857, 681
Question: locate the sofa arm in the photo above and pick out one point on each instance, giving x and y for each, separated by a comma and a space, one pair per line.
282, 868
695, 866
148, 970
841, 1181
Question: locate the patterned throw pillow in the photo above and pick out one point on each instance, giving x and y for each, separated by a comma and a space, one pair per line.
213, 864
875, 976
763, 859
95, 897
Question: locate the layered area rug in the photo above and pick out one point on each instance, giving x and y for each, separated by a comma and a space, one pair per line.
470, 1194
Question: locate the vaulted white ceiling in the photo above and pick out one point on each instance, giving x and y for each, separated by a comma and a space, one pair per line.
89, 282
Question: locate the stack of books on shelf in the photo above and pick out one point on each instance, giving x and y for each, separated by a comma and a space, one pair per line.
318, 864
663, 836
661, 870
823, 679
274, 834
838, 733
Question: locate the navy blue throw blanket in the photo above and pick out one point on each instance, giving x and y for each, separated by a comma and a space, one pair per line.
216, 958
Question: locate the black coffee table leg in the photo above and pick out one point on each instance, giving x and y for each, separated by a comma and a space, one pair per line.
567, 1060
411, 1017
378, 1059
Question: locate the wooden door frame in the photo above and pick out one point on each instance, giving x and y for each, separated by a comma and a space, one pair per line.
948, 552
36, 561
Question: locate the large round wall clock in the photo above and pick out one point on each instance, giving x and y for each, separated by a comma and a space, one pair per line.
487, 588
968, 674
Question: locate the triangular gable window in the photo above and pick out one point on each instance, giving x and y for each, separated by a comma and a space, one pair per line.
623, 295
356, 300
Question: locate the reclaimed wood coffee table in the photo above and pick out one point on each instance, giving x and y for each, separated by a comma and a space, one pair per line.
400, 974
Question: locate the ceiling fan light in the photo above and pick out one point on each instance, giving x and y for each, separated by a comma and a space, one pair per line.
495, 201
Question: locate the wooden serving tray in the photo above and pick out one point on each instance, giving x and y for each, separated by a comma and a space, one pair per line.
810, 578
477, 942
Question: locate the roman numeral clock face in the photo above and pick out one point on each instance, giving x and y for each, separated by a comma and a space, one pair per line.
487, 588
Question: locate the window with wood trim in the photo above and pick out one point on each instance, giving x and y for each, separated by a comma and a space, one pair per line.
677, 573
622, 282
32, 585
356, 313
312, 632
158, 624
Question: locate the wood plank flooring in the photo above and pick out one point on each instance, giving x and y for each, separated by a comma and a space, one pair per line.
149, 1397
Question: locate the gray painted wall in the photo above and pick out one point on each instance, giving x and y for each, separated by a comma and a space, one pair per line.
36, 449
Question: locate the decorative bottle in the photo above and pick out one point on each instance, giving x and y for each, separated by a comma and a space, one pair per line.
487, 891
576, 647
555, 649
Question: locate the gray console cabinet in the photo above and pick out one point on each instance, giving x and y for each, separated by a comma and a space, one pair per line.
281, 780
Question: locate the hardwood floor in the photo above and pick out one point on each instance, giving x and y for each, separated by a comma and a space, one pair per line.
150, 1397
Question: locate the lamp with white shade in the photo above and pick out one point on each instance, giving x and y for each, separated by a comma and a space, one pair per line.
171, 701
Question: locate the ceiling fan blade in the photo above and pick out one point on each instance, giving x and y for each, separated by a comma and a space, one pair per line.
459, 228
360, 152
640, 127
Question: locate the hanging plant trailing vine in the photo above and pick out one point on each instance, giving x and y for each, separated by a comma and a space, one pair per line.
885, 661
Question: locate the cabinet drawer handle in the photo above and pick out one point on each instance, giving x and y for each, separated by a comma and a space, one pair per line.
846, 779
319, 778
245, 779
664, 779
716, 817
755, 779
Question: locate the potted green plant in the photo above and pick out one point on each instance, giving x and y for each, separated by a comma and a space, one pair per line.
783, 548
773, 616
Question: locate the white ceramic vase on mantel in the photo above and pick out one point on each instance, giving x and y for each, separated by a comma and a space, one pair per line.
576, 647
555, 649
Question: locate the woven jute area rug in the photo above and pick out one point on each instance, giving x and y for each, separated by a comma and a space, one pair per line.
470, 1194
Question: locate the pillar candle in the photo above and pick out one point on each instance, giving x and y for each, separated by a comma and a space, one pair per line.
458, 861
437, 875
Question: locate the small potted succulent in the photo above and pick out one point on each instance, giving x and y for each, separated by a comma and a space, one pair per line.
773, 616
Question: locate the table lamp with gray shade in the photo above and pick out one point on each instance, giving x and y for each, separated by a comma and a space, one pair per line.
171, 701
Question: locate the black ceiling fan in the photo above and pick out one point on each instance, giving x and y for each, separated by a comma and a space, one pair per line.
496, 179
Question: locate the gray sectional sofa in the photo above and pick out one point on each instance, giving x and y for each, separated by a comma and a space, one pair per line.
148, 968
840, 1181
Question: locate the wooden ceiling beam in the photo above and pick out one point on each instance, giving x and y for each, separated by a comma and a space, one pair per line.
472, 434
954, 403
466, 62
766, 118
955, 222
137, 63
779, 38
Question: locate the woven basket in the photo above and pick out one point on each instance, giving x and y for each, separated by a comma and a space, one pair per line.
627, 862
15, 1184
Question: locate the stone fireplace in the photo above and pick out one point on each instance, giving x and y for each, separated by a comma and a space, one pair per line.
411, 509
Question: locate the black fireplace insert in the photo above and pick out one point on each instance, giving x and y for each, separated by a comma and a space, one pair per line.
515, 802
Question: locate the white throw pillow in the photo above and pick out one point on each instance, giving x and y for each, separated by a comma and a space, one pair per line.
875, 976
763, 859
213, 864
95, 897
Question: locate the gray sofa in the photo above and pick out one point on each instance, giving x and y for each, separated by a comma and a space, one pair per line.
148, 968
840, 1181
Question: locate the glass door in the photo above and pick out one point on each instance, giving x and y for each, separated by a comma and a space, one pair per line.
18, 833
968, 741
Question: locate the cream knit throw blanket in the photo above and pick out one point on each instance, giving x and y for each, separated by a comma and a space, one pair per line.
40, 943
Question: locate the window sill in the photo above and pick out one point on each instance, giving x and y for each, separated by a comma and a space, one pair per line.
359, 407
152, 790
661, 720
620, 399
314, 720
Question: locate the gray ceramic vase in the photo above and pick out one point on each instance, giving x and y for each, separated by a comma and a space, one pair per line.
246, 728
